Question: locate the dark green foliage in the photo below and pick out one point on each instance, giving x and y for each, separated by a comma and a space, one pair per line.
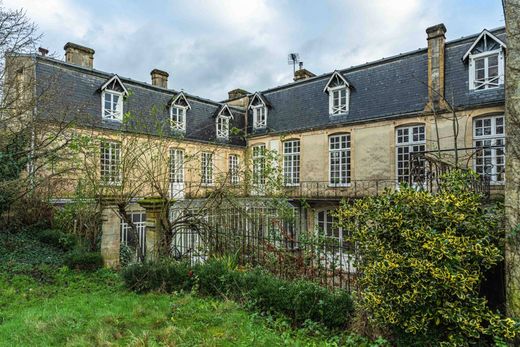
21, 250
301, 301
82, 260
162, 276
57, 238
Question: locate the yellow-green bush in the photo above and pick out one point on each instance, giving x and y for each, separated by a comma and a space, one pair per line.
421, 258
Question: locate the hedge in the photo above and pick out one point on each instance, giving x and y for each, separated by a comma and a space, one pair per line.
300, 300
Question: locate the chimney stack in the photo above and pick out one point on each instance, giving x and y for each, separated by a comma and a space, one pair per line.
79, 55
237, 93
302, 73
159, 78
436, 42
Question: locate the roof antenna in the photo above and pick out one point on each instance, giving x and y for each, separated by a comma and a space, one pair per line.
293, 59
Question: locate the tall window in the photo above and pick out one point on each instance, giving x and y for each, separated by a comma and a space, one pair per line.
259, 117
409, 139
486, 74
112, 105
339, 160
128, 238
178, 118
291, 162
234, 173
176, 165
222, 127
207, 168
110, 162
489, 137
259, 164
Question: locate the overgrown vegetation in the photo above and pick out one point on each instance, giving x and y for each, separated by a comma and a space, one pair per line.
301, 301
46, 304
422, 258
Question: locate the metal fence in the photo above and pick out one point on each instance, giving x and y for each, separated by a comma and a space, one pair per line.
258, 236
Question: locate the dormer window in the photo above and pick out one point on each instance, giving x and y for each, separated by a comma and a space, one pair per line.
222, 122
178, 108
259, 117
112, 94
178, 118
222, 127
486, 62
259, 107
112, 105
338, 89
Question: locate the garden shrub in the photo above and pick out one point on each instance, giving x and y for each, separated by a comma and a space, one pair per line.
57, 238
300, 301
85, 261
421, 258
160, 276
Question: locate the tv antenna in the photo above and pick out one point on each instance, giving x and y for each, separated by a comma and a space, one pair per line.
293, 59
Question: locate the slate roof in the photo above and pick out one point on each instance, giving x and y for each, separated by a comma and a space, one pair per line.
79, 88
391, 87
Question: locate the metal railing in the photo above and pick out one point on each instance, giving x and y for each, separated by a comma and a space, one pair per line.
259, 237
353, 189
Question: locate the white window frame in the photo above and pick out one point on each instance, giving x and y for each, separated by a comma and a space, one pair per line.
341, 108
494, 153
206, 169
486, 83
234, 169
178, 118
343, 166
110, 162
222, 127
112, 114
411, 145
259, 161
291, 162
259, 117
176, 165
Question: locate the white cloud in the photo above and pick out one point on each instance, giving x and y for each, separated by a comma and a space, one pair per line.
55, 15
212, 46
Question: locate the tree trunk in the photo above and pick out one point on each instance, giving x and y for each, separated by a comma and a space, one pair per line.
512, 189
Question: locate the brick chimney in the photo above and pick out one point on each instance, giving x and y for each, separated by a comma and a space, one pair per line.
79, 55
302, 73
436, 42
159, 78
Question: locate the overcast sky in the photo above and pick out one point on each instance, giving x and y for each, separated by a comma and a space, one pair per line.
212, 46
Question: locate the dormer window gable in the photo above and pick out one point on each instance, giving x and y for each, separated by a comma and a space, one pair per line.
222, 120
112, 94
339, 94
178, 108
486, 62
259, 107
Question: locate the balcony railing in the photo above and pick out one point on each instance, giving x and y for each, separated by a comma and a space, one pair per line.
327, 190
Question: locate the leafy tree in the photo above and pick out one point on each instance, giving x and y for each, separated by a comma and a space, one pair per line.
421, 259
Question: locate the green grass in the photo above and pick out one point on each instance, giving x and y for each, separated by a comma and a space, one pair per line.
43, 303
76, 309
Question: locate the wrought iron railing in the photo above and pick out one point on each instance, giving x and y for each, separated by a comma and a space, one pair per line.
427, 169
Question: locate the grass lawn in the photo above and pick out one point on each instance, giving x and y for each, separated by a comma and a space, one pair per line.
95, 310
45, 304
